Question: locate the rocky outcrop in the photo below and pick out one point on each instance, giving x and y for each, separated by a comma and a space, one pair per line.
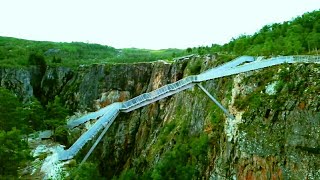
18, 80
53, 82
275, 134
279, 136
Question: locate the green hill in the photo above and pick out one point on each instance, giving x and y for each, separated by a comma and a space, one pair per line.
17, 52
299, 36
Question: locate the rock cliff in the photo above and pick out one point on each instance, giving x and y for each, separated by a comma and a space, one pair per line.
276, 133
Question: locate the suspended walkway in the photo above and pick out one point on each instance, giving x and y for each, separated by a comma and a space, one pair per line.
107, 115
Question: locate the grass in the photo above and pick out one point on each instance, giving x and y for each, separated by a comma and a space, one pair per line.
15, 52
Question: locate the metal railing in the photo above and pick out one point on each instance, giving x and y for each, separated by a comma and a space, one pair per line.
107, 115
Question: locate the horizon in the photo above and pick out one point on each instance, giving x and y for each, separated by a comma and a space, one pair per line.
143, 24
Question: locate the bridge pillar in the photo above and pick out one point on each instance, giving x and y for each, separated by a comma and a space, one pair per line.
94, 145
106, 127
215, 101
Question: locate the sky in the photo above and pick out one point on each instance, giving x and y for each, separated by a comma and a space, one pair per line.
149, 24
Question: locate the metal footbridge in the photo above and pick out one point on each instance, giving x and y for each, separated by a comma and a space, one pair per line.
107, 115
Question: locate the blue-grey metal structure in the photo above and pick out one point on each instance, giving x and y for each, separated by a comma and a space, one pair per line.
107, 115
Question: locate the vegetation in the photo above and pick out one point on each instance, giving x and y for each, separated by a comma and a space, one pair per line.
14, 153
17, 120
183, 154
85, 171
180, 161
19, 52
299, 36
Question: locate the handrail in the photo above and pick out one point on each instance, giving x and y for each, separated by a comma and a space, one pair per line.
107, 115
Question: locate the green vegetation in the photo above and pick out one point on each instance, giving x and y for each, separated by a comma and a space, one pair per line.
265, 128
299, 36
183, 153
55, 120
195, 67
180, 161
17, 120
19, 52
14, 153
85, 171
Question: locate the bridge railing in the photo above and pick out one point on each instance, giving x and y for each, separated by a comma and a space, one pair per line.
107, 118
208, 74
158, 92
306, 58
88, 135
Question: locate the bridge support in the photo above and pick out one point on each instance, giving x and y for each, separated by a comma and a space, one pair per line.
106, 127
215, 101
94, 145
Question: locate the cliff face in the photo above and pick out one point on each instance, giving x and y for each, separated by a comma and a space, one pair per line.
275, 133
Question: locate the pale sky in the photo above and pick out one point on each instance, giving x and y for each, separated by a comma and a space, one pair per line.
150, 24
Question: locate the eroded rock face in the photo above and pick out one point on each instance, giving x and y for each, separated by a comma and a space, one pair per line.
279, 136
276, 134
53, 82
18, 80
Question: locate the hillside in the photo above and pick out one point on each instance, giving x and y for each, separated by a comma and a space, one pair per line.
298, 36
17, 52
275, 133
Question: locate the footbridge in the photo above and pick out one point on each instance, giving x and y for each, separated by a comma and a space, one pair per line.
105, 116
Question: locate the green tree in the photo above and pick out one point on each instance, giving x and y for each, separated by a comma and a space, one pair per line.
14, 153
85, 171
128, 175
241, 44
201, 50
55, 109
189, 50
37, 60
56, 119
56, 60
313, 41
9, 117
34, 114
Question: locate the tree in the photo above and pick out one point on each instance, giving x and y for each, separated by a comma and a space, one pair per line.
14, 153
189, 50
55, 114
85, 171
37, 60
201, 50
55, 120
313, 41
9, 117
34, 114
56, 60
241, 44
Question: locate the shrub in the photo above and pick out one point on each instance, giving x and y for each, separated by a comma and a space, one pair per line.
195, 68
85, 171
37, 60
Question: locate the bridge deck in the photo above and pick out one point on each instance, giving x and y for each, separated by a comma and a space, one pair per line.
107, 115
